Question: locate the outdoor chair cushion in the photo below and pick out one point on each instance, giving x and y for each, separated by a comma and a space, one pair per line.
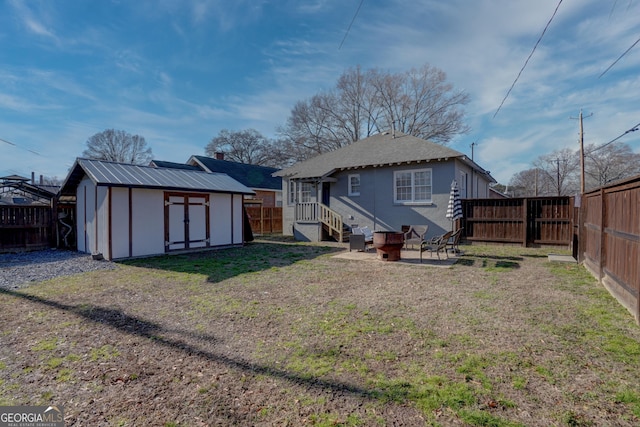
368, 234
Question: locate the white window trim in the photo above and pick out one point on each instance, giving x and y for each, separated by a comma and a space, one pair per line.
303, 192
462, 185
349, 192
291, 190
412, 201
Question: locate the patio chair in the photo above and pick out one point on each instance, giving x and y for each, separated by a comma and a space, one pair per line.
415, 235
436, 244
360, 238
454, 240
356, 242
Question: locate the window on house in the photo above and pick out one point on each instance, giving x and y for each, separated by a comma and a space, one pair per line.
305, 192
354, 185
292, 192
412, 186
462, 185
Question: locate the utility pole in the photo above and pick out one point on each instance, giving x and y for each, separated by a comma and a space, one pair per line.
473, 144
581, 141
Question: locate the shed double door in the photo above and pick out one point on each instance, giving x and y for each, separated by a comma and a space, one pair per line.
186, 218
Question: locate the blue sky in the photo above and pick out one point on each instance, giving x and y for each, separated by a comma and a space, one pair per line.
179, 71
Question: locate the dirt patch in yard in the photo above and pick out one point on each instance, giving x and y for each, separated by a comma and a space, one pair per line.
281, 334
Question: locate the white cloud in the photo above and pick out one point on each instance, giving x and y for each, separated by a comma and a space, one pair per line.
34, 24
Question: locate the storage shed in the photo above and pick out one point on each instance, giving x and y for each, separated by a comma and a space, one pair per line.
125, 210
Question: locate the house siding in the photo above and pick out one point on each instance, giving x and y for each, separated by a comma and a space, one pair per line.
374, 206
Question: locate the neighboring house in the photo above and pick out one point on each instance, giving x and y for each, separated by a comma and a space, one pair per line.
125, 210
383, 182
259, 178
495, 194
17, 190
174, 165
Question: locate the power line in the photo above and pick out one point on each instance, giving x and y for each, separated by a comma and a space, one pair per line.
633, 129
350, 24
16, 145
527, 61
619, 58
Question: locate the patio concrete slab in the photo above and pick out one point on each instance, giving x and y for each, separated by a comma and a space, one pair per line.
406, 257
561, 258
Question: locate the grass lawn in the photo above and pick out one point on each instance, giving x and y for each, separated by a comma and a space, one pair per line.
282, 333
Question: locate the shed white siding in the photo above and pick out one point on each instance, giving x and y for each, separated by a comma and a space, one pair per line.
225, 219
120, 222
147, 213
134, 224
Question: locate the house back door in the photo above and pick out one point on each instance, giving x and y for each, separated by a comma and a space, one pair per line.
326, 193
186, 221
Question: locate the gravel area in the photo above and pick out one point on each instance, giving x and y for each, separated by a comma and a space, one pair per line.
19, 270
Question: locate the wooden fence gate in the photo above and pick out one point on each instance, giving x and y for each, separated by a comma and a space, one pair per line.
527, 221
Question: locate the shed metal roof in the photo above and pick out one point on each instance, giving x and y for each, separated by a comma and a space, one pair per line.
113, 174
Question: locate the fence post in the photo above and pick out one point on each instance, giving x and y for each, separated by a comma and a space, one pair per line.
525, 222
603, 249
582, 244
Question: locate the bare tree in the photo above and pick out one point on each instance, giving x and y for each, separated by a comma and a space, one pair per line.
561, 170
118, 146
419, 102
610, 163
531, 183
243, 146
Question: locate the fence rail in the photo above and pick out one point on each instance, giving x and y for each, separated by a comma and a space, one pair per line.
610, 240
265, 220
25, 228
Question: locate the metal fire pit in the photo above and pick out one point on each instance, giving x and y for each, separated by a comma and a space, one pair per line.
388, 244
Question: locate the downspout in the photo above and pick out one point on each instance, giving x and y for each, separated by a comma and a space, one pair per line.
375, 195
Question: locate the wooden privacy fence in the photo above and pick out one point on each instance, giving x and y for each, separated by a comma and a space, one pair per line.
526, 221
610, 240
264, 220
25, 228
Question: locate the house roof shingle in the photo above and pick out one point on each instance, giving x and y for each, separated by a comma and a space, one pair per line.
253, 176
104, 173
381, 149
174, 165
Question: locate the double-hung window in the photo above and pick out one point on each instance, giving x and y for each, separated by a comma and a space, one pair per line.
292, 192
412, 186
305, 192
354, 185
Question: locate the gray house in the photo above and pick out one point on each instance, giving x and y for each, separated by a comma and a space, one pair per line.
383, 182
